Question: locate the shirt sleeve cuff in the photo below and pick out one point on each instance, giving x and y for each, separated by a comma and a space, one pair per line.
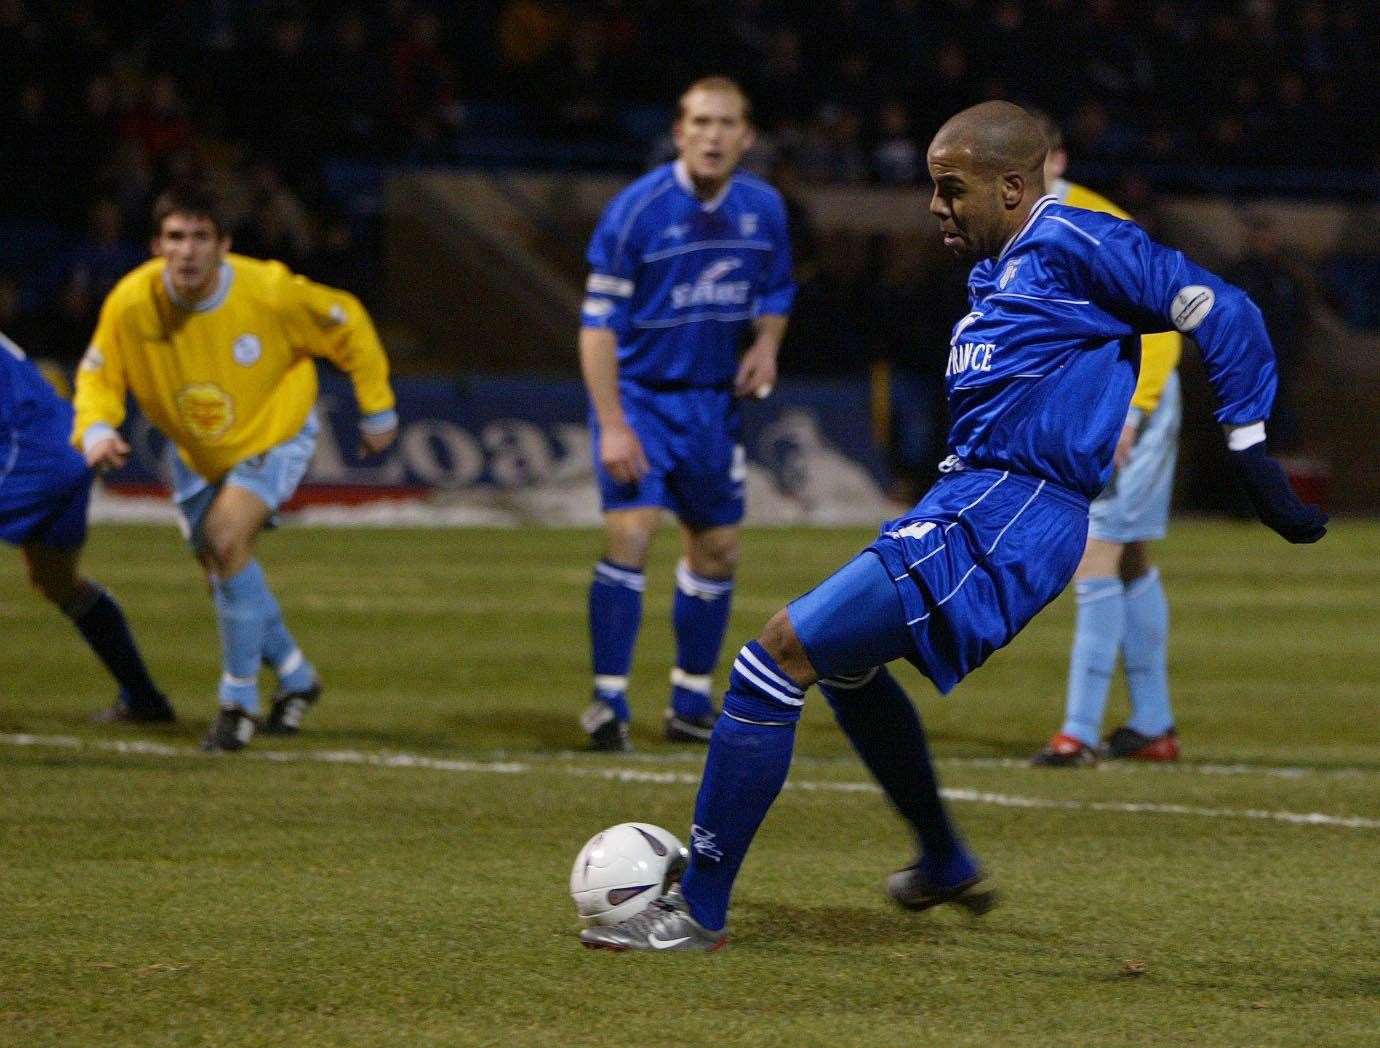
379, 422
95, 433
1239, 438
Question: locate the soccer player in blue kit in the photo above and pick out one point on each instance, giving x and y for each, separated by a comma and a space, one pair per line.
1040, 376
45, 487
686, 264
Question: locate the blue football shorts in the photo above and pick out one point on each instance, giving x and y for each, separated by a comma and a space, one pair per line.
1134, 507
45, 489
273, 476
693, 441
950, 582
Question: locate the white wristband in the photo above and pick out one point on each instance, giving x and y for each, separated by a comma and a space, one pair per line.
1239, 438
95, 433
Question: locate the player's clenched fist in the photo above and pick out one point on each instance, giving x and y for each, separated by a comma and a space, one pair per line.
621, 454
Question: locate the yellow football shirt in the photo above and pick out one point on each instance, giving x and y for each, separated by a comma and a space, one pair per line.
229, 377
1159, 354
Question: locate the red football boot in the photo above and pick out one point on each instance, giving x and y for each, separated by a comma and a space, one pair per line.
1131, 744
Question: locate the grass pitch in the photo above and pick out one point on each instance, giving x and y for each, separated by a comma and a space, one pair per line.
396, 876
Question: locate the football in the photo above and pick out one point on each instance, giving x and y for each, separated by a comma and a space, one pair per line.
622, 869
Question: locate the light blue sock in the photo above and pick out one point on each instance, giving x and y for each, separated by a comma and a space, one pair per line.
281, 653
1097, 634
241, 609
1145, 653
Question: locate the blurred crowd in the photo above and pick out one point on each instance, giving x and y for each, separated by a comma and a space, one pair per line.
106, 101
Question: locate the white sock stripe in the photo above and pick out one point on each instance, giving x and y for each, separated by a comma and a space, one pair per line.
776, 693
610, 682
781, 681
853, 681
764, 724
703, 683
633, 580
693, 585
292, 663
228, 678
1082, 597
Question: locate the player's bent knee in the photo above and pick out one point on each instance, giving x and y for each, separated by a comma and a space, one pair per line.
781, 642
714, 553
628, 537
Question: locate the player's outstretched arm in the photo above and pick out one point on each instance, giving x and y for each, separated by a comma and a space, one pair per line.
1154, 287
1268, 488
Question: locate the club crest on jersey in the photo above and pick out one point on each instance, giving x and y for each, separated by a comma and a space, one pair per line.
747, 224
710, 288
247, 349
206, 409
1009, 273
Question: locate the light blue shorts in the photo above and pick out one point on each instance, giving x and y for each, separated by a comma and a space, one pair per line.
1134, 507
273, 476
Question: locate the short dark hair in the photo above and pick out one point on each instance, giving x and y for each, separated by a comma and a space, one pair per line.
195, 199
722, 84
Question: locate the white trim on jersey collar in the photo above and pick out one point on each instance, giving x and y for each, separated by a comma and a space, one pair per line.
682, 173
211, 301
1035, 212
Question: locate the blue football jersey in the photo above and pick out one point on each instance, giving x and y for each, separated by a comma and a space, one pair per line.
678, 279
1042, 368
30, 411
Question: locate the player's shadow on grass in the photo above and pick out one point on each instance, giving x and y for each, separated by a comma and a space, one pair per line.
762, 920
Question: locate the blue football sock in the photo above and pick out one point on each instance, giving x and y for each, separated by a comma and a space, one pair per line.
1145, 653
242, 603
102, 624
615, 613
749, 756
281, 653
884, 727
1097, 637
700, 617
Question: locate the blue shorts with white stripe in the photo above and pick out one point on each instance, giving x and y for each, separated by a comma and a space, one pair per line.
976, 559
950, 582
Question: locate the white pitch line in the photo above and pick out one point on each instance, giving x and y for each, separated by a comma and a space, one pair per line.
674, 778
1119, 767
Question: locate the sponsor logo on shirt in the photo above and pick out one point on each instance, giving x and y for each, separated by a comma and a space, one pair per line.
968, 356
206, 410
710, 288
247, 349
747, 224
676, 232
